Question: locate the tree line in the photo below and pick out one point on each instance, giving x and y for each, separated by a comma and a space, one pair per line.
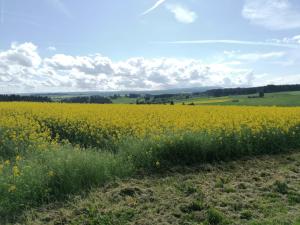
252, 90
34, 98
88, 100
21, 98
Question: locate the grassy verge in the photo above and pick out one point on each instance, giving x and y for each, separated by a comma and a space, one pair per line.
259, 191
39, 177
42, 177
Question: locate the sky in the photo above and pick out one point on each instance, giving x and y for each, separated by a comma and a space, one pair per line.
100, 45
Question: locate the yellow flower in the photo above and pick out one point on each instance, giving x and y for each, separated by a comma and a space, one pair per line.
12, 188
50, 173
18, 158
7, 162
16, 171
157, 163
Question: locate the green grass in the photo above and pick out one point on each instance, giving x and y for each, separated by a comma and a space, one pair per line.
270, 99
189, 195
53, 174
124, 100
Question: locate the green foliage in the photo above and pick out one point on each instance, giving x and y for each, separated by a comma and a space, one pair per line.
93, 217
194, 148
54, 174
281, 187
215, 217
50, 175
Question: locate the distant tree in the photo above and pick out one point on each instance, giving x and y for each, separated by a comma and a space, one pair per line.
92, 99
21, 98
261, 94
131, 95
252, 90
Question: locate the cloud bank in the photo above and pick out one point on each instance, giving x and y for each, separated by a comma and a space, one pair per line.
23, 69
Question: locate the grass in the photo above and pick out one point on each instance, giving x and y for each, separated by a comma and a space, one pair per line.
124, 100
54, 174
42, 177
189, 195
270, 99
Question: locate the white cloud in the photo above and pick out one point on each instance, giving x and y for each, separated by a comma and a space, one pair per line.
156, 5
24, 55
253, 57
181, 13
22, 69
51, 49
288, 40
270, 43
272, 14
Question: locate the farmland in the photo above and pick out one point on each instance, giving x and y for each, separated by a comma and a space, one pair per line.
270, 99
51, 152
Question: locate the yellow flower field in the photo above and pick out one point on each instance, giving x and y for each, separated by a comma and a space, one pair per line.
91, 124
51, 150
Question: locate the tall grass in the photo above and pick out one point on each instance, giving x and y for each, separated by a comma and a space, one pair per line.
42, 177
39, 177
202, 147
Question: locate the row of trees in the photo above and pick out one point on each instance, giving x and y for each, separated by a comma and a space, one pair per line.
20, 98
34, 98
252, 90
89, 100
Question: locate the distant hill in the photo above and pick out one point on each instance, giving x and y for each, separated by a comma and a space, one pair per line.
111, 93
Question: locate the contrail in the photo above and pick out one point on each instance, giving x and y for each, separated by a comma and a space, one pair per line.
157, 4
60, 6
236, 42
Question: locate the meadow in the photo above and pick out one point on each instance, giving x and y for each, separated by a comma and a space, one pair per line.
51, 151
291, 98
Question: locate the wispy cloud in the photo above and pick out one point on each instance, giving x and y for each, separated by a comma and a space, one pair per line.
232, 42
272, 14
61, 7
157, 4
51, 49
256, 56
181, 13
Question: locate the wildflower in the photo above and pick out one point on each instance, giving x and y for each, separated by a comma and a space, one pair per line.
157, 163
16, 171
12, 188
18, 158
7, 162
50, 173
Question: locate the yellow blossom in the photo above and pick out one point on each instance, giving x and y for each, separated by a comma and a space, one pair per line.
51, 173
12, 188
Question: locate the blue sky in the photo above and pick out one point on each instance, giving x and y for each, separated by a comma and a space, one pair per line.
65, 45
